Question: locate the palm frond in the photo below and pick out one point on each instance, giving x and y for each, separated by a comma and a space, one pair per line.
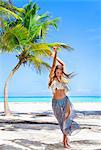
9, 6
9, 12
3, 25
40, 49
14, 37
60, 45
34, 9
42, 17
38, 64
45, 49
44, 27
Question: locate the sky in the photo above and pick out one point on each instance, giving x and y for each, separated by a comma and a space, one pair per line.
79, 27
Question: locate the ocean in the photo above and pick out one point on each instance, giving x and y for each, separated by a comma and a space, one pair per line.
49, 98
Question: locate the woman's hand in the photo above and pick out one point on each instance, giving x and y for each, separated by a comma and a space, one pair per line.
55, 48
54, 51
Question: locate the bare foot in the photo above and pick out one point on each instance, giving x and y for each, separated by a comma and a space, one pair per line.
65, 145
67, 142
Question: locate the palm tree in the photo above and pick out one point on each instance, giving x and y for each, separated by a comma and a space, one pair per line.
25, 36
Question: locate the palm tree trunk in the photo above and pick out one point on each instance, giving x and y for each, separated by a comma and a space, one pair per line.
6, 107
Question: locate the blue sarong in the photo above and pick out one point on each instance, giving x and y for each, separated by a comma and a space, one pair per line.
67, 125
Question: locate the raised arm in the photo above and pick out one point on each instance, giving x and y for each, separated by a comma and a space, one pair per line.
54, 62
59, 60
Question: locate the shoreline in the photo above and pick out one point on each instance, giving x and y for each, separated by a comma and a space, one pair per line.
73, 99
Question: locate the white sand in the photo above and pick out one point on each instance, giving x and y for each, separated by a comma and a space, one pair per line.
34, 127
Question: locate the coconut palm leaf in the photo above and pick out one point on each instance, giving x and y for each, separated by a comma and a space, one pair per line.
14, 37
3, 22
9, 6
43, 17
60, 45
8, 12
29, 14
40, 49
38, 64
40, 29
44, 27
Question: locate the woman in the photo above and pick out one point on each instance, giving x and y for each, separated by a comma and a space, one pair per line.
62, 107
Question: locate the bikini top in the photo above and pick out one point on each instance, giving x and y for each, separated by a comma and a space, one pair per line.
59, 85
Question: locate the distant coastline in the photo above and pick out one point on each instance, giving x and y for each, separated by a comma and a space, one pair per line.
41, 96
49, 98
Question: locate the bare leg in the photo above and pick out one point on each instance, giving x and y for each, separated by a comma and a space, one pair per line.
65, 141
65, 138
67, 112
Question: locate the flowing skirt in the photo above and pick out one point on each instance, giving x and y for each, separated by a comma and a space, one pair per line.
64, 113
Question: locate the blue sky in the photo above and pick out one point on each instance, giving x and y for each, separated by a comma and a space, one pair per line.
80, 27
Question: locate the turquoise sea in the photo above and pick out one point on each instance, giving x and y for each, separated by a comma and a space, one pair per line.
49, 98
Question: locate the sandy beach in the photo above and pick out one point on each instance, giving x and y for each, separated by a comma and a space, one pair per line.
33, 126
